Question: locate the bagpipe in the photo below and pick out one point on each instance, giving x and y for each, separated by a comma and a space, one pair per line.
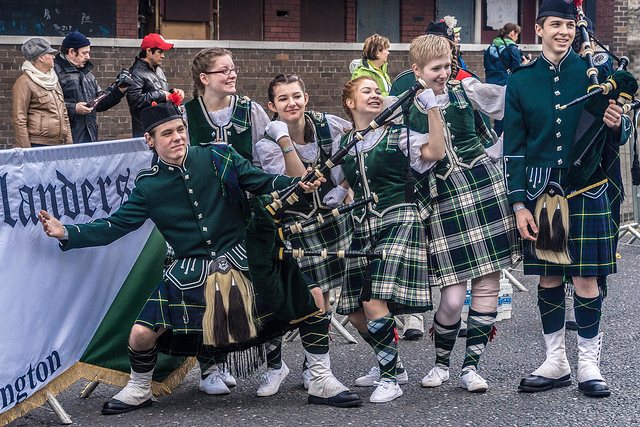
296, 227
592, 149
273, 267
281, 200
122, 80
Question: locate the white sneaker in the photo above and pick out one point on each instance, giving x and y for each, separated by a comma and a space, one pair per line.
306, 377
385, 391
369, 379
214, 384
373, 376
473, 382
436, 376
226, 377
271, 380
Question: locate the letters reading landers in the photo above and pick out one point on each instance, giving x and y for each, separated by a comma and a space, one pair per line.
63, 198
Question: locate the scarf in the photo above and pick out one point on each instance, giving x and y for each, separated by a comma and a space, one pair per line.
47, 80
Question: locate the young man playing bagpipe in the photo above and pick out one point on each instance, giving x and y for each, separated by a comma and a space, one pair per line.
194, 195
563, 211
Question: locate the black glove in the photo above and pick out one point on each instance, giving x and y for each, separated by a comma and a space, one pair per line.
124, 78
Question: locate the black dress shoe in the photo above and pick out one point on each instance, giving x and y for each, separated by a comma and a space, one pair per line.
594, 388
412, 334
346, 399
114, 406
535, 383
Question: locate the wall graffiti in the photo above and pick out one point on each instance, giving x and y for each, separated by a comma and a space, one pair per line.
93, 18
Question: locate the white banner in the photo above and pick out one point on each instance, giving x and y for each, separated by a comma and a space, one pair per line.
52, 302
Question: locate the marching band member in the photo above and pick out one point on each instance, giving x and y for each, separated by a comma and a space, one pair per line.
471, 230
193, 195
537, 149
216, 114
296, 140
383, 163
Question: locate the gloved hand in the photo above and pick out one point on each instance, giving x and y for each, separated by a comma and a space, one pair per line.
335, 197
427, 99
277, 129
124, 78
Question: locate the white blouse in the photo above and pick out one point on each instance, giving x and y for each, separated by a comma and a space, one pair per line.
272, 159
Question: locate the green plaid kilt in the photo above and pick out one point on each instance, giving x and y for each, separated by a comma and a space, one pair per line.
333, 235
472, 230
592, 239
182, 312
401, 278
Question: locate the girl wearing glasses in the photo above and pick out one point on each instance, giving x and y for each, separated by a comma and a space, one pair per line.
296, 139
216, 114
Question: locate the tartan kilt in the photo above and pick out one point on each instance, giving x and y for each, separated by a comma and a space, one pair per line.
592, 241
334, 235
401, 278
472, 230
165, 309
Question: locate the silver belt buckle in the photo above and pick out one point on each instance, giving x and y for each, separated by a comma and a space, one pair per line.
220, 264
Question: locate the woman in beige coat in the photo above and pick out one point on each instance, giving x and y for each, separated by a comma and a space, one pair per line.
39, 114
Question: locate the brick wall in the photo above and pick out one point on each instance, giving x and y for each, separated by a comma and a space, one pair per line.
620, 29
324, 72
127, 19
633, 40
351, 20
414, 18
282, 28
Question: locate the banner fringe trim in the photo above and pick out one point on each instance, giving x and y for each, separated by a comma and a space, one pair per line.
81, 370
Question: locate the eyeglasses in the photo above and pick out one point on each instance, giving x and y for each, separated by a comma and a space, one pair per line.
226, 71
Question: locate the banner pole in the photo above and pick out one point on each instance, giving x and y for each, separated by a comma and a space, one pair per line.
86, 392
58, 409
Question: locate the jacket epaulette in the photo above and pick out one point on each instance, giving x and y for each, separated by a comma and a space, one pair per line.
143, 173
520, 67
402, 74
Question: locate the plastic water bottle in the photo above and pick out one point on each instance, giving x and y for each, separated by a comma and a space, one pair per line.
499, 316
506, 290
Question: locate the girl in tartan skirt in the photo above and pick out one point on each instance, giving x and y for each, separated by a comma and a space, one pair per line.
295, 140
471, 230
217, 115
384, 163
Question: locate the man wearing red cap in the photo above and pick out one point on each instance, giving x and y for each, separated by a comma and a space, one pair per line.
149, 82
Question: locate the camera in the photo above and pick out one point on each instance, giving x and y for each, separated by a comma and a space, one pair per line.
124, 78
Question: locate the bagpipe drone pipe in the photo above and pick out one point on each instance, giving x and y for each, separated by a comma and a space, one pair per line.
274, 271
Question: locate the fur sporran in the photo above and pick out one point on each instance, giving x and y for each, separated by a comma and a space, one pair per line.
552, 216
228, 317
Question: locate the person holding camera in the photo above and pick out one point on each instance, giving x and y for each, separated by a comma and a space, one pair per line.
79, 86
149, 82
502, 57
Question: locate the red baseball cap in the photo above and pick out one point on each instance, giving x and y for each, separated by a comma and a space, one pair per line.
155, 40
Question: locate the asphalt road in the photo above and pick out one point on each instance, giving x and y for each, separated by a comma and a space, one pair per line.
516, 351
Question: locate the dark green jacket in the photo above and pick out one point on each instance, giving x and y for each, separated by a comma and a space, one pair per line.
538, 135
186, 203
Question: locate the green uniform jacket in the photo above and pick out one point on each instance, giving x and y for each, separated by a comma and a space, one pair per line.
186, 203
538, 135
